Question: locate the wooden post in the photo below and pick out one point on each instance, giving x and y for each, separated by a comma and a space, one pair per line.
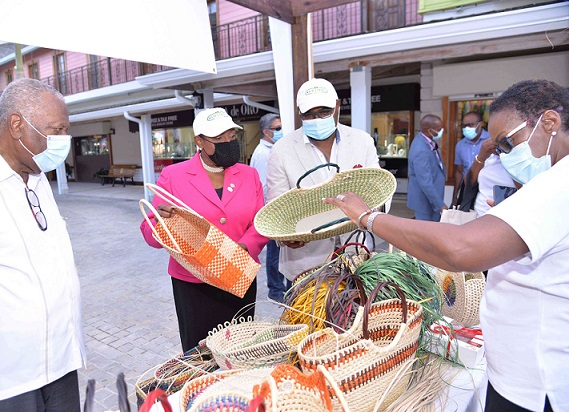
299, 57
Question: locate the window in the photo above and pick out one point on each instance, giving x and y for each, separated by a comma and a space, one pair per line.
34, 71
9, 76
60, 73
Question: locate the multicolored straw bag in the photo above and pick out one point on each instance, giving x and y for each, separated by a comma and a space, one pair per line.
368, 362
462, 295
200, 247
172, 375
223, 391
248, 343
287, 389
300, 214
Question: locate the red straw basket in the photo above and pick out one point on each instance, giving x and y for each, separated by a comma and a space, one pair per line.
200, 247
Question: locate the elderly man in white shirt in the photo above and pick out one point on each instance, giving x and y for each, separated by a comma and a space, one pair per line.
41, 335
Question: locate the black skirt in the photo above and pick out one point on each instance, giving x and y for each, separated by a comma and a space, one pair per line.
201, 307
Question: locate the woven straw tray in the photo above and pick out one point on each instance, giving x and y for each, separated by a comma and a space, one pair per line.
298, 213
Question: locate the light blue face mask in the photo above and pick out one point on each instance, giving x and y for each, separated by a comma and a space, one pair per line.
439, 135
521, 164
58, 147
319, 129
469, 132
277, 135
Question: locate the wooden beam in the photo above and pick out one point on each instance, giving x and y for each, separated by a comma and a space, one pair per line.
279, 9
299, 57
302, 7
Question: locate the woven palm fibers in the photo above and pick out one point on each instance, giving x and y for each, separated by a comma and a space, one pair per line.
292, 215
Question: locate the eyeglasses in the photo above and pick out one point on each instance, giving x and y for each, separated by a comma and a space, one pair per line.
320, 114
506, 144
35, 207
475, 124
222, 139
275, 129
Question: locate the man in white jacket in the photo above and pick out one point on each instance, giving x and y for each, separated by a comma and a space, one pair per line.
321, 139
41, 335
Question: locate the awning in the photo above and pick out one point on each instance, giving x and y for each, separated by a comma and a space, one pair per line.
174, 33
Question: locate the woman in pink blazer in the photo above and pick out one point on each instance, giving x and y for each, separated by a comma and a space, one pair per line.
228, 195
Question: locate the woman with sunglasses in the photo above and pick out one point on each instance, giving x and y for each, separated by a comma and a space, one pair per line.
524, 241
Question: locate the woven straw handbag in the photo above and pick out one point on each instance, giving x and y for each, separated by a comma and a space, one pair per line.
369, 362
287, 389
248, 343
300, 214
200, 247
172, 375
222, 391
462, 295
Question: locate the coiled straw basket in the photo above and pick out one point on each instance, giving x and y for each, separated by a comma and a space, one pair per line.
462, 295
300, 214
248, 343
369, 361
200, 247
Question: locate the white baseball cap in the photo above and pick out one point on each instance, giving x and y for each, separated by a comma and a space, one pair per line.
213, 122
316, 93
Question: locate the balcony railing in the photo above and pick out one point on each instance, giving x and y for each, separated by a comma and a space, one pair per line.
249, 36
103, 73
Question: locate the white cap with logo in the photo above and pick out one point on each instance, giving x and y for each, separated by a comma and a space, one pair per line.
316, 93
213, 122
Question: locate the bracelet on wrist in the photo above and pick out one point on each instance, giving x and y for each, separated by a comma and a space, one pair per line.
370, 219
478, 160
367, 212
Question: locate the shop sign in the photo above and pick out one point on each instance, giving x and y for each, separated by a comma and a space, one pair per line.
387, 98
171, 120
243, 112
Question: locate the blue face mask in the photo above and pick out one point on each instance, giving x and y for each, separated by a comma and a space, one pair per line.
439, 135
469, 132
277, 135
58, 147
319, 129
521, 164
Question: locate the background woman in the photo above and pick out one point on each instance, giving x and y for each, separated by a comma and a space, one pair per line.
228, 195
525, 242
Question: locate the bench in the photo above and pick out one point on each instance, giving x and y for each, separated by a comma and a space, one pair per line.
121, 172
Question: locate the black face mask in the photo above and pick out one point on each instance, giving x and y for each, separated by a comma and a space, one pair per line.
226, 154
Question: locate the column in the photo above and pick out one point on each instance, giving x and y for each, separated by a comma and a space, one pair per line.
360, 84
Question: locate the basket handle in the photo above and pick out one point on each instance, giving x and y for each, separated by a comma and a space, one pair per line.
337, 391
372, 297
330, 297
156, 394
356, 244
332, 223
363, 234
170, 198
314, 169
144, 202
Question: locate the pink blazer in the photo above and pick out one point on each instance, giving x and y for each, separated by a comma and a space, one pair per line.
233, 214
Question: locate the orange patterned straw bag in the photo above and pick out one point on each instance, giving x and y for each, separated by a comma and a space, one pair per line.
370, 360
200, 247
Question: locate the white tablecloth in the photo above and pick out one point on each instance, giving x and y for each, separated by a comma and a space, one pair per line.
466, 393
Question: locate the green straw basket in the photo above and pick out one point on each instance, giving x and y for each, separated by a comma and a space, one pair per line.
300, 214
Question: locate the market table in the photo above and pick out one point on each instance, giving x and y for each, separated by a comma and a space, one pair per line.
466, 393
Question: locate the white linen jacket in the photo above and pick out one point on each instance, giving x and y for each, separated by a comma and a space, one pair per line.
290, 158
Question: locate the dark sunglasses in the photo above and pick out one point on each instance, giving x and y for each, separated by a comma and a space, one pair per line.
506, 144
276, 129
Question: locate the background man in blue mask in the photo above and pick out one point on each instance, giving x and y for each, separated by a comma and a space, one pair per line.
426, 191
468, 147
271, 131
321, 139
41, 334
